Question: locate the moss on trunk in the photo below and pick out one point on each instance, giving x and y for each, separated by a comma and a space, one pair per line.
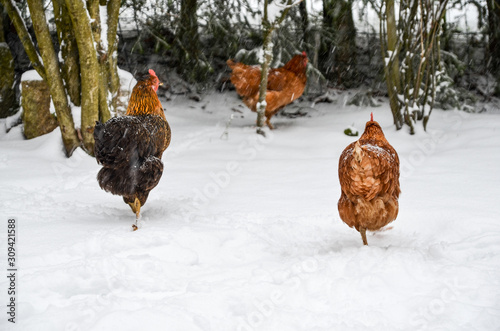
102, 55
24, 36
8, 102
89, 67
36, 114
69, 51
112, 63
53, 76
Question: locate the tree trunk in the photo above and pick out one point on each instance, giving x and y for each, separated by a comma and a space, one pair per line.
89, 67
392, 65
24, 36
36, 115
264, 69
102, 55
69, 51
188, 30
337, 18
189, 41
494, 39
53, 76
112, 64
8, 102
304, 24
267, 28
268, 57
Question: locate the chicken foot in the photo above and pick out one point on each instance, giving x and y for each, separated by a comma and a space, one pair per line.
363, 236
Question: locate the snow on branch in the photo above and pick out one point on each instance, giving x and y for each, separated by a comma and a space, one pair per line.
288, 6
278, 11
103, 15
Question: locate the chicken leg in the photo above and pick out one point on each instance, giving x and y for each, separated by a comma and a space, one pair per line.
136, 208
268, 122
363, 236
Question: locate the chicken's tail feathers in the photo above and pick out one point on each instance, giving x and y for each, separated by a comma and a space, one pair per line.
127, 181
150, 173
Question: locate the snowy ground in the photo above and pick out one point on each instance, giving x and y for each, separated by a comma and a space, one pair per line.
243, 233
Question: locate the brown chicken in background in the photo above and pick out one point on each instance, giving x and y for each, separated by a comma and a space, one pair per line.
130, 147
369, 179
284, 85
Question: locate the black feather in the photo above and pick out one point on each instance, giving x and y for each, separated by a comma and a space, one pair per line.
130, 149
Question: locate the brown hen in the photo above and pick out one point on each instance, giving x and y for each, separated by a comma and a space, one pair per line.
284, 85
369, 179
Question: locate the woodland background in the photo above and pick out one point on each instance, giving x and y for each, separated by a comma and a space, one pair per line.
421, 54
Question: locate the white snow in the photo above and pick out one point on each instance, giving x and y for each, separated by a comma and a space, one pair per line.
30, 75
127, 80
243, 233
103, 14
276, 8
7, 123
76, 112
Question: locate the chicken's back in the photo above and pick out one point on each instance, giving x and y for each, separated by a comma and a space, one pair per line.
284, 84
283, 89
245, 78
130, 149
369, 179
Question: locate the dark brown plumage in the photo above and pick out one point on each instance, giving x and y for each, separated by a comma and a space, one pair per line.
284, 85
369, 179
130, 147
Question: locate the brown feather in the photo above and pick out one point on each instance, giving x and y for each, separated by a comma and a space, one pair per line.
284, 85
369, 179
144, 100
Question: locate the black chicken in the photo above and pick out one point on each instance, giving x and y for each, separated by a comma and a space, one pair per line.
130, 147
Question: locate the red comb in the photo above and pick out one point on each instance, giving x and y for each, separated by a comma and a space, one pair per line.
371, 116
152, 72
304, 53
